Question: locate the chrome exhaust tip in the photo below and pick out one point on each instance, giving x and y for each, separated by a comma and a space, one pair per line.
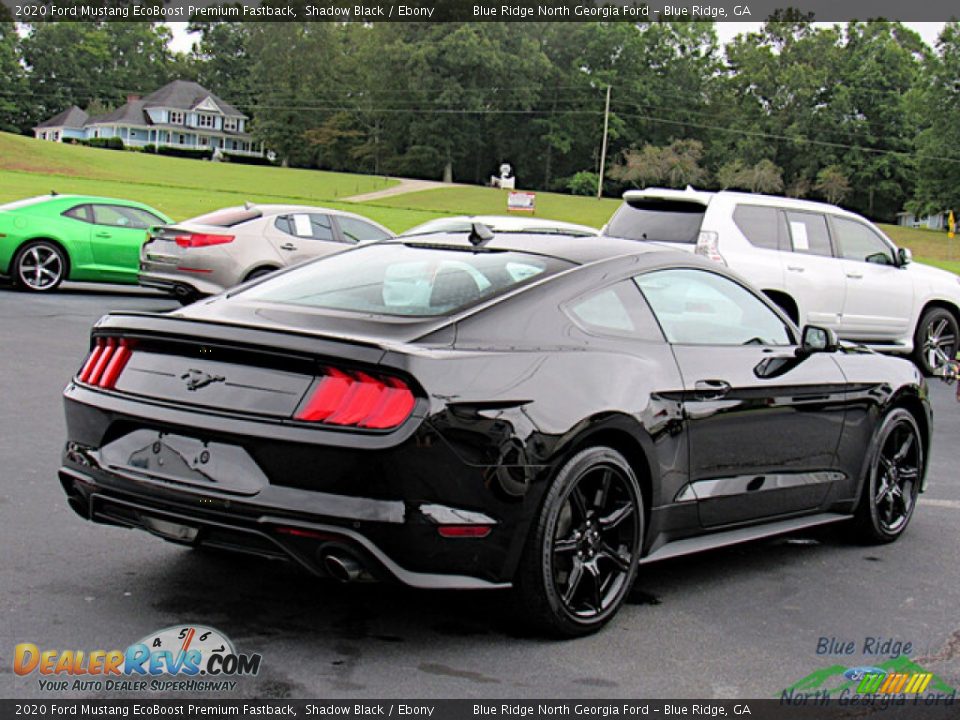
342, 567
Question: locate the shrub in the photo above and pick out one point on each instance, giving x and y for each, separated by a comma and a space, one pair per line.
196, 154
111, 143
244, 159
583, 183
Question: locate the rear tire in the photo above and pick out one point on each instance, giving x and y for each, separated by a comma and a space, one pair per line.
890, 489
258, 273
935, 341
40, 266
581, 557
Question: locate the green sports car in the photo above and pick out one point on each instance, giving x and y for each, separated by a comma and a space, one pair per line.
48, 239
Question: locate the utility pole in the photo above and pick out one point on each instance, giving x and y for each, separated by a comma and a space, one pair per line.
603, 151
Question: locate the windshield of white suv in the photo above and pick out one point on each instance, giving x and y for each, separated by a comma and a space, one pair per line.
661, 220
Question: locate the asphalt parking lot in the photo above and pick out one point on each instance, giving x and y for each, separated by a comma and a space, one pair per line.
740, 622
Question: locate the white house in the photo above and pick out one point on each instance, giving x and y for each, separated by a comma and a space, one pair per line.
934, 221
180, 114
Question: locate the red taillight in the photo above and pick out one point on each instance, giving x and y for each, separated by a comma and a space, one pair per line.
202, 240
106, 362
463, 531
358, 399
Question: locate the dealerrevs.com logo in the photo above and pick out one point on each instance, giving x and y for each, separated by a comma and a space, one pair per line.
186, 658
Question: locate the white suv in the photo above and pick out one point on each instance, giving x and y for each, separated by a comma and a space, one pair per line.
821, 264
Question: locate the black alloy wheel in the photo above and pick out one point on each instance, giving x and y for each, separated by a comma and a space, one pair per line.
581, 558
896, 469
935, 342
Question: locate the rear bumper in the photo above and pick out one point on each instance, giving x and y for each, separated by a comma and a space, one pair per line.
379, 500
305, 542
179, 284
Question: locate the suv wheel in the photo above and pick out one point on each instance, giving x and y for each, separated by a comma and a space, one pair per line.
935, 341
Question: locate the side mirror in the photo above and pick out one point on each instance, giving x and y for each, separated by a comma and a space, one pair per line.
904, 256
818, 339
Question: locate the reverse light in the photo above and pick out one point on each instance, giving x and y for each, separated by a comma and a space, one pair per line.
106, 362
357, 399
194, 240
708, 245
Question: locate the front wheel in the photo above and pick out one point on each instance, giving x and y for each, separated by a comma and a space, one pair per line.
40, 266
935, 341
582, 553
890, 489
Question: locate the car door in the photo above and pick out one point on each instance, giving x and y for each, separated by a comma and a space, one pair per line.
879, 300
763, 421
300, 236
812, 275
116, 236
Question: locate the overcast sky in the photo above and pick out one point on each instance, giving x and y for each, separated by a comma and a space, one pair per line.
726, 31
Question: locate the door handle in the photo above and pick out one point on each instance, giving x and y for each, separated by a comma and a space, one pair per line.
288, 246
710, 389
855, 275
103, 235
795, 268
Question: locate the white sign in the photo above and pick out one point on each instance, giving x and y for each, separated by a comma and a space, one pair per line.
799, 232
522, 202
302, 226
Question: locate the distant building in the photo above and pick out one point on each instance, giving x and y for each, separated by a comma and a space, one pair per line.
181, 114
934, 221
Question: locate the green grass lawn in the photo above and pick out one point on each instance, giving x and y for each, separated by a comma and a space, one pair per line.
931, 247
22, 154
493, 201
184, 188
181, 203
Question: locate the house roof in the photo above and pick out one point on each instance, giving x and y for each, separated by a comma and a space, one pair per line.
131, 113
187, 95
179, 95
72, 117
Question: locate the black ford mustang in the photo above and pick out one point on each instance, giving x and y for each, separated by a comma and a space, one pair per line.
480, 412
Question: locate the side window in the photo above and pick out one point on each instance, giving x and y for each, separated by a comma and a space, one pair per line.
124, 217
359, 231
305, 225
80, 212
808, 233
764, 227
616, 310
858, 242
696, 307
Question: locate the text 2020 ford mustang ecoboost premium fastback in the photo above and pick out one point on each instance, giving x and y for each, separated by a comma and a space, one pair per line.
457, 411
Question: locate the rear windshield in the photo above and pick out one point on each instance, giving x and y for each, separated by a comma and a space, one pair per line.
404, 280
662, 220
453, 225
228, 217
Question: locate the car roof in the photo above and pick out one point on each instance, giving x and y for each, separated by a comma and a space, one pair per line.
571, 248
57, 199
510, 223
704, 197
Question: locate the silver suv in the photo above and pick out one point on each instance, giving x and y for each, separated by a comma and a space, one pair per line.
823, 265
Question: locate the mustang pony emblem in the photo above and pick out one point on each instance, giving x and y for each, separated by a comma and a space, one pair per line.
197, 379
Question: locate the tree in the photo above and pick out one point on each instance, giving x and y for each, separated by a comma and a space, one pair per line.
676, 165
762, 177
220, 59
938, 144
14, 98
73, 63
832, 184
